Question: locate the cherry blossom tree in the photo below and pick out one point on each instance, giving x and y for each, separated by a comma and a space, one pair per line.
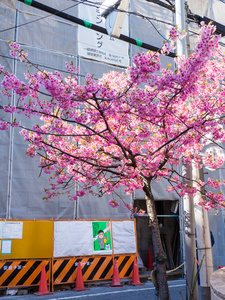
115, 132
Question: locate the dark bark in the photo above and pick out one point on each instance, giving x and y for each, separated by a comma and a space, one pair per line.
160, 257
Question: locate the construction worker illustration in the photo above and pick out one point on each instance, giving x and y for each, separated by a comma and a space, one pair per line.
102, 240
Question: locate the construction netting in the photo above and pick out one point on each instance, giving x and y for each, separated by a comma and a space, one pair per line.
51, 42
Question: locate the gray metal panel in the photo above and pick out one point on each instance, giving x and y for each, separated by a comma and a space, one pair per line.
22, 190
50, 61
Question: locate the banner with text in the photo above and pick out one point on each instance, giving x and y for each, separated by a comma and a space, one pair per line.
98, 46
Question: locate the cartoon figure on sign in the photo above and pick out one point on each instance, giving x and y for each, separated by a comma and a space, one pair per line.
102, 240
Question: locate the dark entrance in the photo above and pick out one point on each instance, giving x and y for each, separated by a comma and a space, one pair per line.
168, 216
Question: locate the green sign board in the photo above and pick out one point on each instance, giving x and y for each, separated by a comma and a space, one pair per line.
101, 235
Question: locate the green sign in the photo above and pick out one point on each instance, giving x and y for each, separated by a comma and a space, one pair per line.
101, 235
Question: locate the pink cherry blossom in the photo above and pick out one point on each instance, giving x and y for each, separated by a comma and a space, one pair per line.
114, 203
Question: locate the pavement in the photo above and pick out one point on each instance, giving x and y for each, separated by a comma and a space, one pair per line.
101, 290
177, 292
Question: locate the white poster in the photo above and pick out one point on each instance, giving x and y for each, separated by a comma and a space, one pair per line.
11, 230
98, 46
6, 246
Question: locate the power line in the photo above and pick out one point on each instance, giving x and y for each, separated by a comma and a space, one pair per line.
158, 2
90, 3
84, 23
98, 28
95, 4
157, 30
220, 29
20, 25
94, 27
192, 17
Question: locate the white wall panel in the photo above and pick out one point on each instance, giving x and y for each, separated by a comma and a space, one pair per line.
73, 238
124, 240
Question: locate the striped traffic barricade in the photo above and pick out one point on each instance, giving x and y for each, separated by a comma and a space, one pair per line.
22, 273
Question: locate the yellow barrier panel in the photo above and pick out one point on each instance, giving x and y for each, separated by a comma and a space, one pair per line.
34, 240
125, 264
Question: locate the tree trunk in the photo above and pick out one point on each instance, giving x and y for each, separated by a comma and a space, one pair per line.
160, 257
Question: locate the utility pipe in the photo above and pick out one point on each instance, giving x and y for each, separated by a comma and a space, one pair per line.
187, 207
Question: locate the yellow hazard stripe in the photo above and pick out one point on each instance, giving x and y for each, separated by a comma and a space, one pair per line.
125, 265
22, 273
93, 268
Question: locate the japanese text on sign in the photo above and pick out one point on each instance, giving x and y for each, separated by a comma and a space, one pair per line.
11, 230
99, 46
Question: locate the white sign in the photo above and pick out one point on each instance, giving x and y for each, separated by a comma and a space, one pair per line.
98, 46
6, 246
11, 230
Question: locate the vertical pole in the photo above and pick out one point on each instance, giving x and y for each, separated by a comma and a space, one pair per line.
189, 235
135, 230
181, 23
204, 245
11, 133
187, 205
113, 257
